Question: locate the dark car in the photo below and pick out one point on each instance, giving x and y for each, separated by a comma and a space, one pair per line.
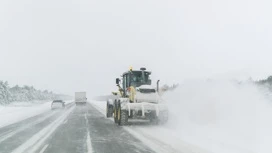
58, 104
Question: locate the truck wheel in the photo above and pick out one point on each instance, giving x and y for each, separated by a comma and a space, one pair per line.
122, 116
115, 112
109, 110
118, 112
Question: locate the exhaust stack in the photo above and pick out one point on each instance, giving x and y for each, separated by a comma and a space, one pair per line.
158, 86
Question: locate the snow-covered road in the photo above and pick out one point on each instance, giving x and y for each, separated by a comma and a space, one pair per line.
160, 138
30, 128
76, 129
19, 111
85, 129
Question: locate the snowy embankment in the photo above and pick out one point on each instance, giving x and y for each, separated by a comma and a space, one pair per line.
222, 116
158, 138
19, 111
215, 116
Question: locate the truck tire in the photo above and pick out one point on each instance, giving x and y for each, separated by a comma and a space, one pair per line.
122, 116
115, 111
109, 110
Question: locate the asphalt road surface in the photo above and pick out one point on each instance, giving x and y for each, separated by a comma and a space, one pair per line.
76, 129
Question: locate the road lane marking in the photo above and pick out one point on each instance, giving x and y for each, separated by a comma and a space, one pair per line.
64, 122
11, 133
20, 129
35, 142
44, 148
88, 141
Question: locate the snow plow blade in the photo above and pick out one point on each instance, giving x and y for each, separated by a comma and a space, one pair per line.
146, 107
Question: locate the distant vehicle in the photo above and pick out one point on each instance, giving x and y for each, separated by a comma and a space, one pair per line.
80, 98
58, 104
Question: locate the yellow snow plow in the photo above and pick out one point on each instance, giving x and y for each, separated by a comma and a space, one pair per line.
137, 99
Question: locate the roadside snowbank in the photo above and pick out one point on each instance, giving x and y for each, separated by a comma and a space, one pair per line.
22, 110
215, 116
221, 116
159, 138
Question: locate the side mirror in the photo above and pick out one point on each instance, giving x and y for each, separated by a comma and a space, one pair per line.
117, 81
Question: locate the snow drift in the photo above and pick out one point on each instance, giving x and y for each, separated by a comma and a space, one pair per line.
221, 116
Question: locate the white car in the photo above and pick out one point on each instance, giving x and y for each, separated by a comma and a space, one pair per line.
58, 104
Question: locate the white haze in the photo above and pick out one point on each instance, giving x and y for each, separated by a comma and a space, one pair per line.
222, 116
70, 45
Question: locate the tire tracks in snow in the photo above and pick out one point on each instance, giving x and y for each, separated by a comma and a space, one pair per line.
88, 141
11, 133
11, 130
160, 146
36, 141
154, 143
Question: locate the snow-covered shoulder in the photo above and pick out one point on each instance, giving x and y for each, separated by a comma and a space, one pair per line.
22, 110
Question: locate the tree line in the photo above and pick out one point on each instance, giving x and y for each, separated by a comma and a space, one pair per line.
25, 93
266, 82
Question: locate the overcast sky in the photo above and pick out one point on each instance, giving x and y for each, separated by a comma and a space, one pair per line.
77, 45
